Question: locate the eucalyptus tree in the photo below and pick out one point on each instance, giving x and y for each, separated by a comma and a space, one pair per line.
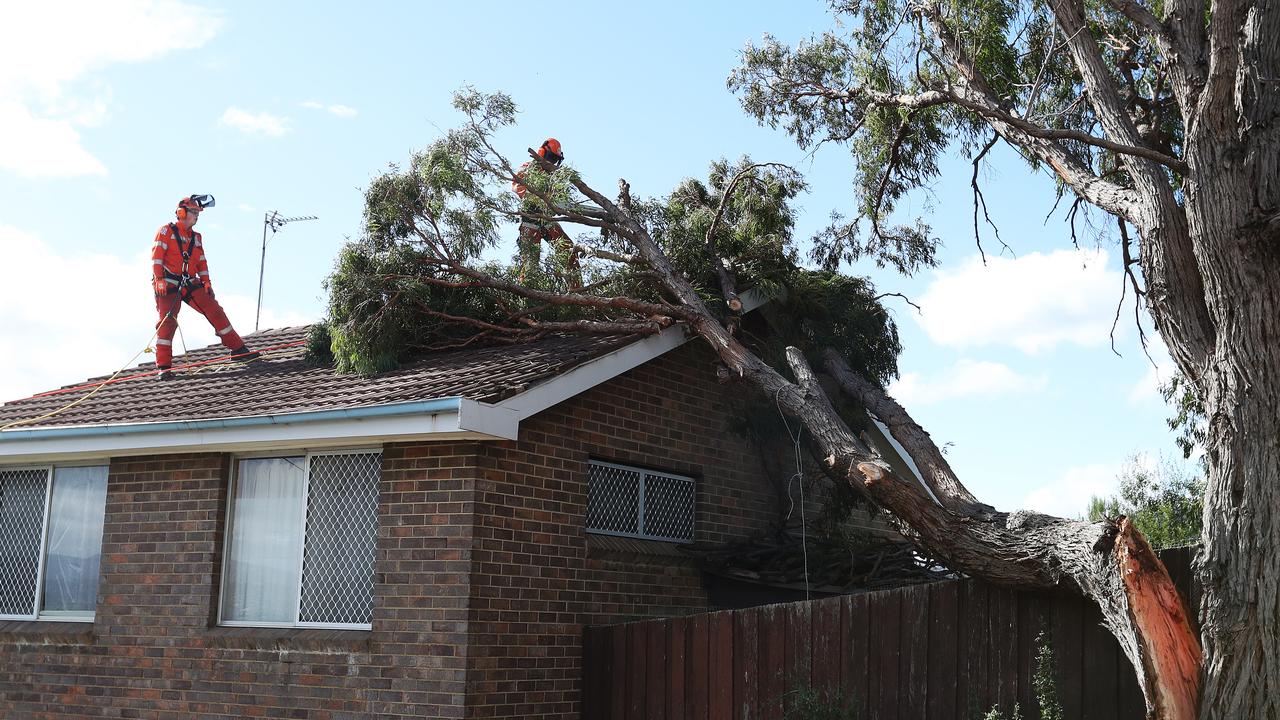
417, 279
1161, 115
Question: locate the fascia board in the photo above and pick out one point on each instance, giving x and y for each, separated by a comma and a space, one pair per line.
882, 430
490, 421
431, 420
594, 372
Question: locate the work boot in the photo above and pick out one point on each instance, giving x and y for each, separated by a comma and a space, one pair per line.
163, 372
245, 354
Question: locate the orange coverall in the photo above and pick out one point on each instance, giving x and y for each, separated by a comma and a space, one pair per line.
533, 231
169, 269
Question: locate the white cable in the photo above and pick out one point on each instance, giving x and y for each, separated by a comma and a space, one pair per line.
799, 475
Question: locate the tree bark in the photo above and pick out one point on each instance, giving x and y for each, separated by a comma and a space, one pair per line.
1232, 197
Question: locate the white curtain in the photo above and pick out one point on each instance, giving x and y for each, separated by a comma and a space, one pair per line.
265, 553
76, 510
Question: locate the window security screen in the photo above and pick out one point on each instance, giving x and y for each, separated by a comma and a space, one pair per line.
51, 541
302, 541
633, 502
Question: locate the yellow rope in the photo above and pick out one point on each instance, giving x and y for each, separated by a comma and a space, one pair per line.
145, 348
86, 396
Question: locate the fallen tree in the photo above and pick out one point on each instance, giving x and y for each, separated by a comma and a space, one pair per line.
415, 281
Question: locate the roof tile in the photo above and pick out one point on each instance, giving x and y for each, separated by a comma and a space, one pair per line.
283, 382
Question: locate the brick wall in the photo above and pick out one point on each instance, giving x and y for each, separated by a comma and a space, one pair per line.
539, 577
154, 651
483, 575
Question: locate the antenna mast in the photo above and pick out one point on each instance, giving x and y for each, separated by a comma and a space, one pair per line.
275, 222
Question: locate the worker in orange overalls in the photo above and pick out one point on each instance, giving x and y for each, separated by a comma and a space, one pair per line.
533, 230
181, 274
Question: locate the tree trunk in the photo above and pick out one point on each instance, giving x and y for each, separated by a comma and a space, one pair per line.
1233, 210
1239, 566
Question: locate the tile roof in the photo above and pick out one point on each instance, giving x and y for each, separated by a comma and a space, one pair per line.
283, 382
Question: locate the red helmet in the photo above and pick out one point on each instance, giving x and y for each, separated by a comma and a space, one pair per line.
550, 151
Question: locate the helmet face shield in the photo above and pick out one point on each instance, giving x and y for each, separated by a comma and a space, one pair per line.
204, 201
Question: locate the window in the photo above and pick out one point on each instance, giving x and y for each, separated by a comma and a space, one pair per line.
301, 541
51, 541
639, 503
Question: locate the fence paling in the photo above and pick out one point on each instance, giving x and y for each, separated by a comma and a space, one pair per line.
949, 651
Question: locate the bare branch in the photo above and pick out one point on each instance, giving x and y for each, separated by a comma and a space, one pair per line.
978, 198
1169, 260
1034, 94
1110, 197
905, 299
1177, 43
539, 327
989, 108
480, 279
727, 284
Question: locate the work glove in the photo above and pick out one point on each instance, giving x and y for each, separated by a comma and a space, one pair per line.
161, 287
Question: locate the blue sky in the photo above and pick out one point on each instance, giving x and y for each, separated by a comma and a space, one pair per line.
109, 112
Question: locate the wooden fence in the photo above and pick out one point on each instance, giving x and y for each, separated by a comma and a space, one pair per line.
939, 651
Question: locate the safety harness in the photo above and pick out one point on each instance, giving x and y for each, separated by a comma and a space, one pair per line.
186, 282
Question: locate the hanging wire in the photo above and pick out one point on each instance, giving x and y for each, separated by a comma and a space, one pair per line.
799, 475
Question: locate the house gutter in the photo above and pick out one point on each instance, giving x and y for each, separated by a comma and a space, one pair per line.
429, 407
436, 419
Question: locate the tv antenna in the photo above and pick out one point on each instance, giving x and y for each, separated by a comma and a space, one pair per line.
275, 222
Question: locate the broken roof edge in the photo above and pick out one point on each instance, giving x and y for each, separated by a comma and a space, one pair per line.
598, 370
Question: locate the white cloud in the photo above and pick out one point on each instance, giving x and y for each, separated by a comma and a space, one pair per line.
339, 110
47, 47
34, 146
966, 377
1069, 495
251, 124
1033, 303
63, 340
1147, 389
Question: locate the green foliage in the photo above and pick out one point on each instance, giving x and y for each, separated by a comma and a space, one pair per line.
319, 345
403, 286
1044, 681
377, 298
878, 84
1189, 419
824, 309
808, 703
1165, 503
996, 713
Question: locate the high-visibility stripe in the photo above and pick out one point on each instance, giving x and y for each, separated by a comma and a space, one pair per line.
157, 262
204, 273
164, 342
161, 244
225, 330
171, 281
